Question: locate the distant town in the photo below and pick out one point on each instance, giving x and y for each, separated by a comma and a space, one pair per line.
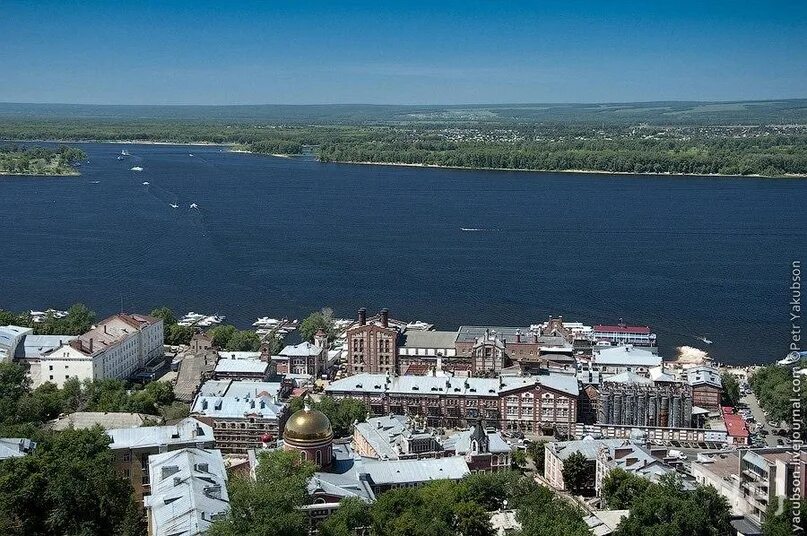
372, 405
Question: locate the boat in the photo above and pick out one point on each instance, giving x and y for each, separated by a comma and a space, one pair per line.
704, 339
791, 358
124, 152
137, 168
190, 154
145, 183
173, 205
194, 205
95, 182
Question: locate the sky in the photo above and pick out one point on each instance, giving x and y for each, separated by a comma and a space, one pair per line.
446, 52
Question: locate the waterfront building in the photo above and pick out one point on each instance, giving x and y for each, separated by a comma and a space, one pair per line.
619, 359
706, 385
244, 414
621, 334
188, 492
133, 446
15, 447
304, 358
628, 399
494, 347
241, 369
19, 343
372, 347
114, 349
516, 403
420, 351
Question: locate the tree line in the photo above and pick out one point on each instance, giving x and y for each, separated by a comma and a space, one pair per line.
19, 160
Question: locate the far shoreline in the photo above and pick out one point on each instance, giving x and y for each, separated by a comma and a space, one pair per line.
231, 147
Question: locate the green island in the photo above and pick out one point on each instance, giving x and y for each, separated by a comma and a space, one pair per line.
759, 138
15, 160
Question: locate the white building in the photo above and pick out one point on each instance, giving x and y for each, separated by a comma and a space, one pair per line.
19, 343
619, 359
115, 348
188, 492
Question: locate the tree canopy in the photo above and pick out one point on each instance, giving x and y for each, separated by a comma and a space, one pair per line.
318, 320
68, 485
578, 473
773, 387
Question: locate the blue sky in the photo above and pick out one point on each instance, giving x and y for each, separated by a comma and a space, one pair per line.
400, 52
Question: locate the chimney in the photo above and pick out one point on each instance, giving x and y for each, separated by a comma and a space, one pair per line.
90, 344
385, 318
362, 316
535, 338
518, 335
105, 332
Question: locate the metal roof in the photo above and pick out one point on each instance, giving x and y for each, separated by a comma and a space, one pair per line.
243, 366
626, 355
187, 430
304, 349
429, 339
188, 491
415, 471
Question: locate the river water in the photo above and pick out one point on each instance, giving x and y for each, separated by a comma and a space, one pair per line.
274, 236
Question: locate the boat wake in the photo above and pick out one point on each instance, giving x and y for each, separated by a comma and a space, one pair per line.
478, 230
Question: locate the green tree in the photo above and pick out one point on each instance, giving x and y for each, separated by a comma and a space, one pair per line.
13, 385
67, 486
176, 335
352, 516
269, 506
731, 389
782, 515
470, 519
165, 314
519, 458
244, 341
577, 473
318, 320
667, 508
620, 489
537, 450
221, 335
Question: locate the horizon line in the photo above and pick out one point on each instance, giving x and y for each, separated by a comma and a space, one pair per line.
551, 103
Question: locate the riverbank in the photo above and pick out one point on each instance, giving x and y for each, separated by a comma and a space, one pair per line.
66, 174
577, 171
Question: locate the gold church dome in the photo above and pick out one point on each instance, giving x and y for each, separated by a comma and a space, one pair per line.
308, 425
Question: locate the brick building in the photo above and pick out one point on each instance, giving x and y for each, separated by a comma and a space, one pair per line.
372, 347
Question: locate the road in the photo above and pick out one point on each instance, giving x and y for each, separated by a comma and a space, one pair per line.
759, 416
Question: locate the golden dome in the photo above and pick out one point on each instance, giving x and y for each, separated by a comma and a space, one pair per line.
308, 425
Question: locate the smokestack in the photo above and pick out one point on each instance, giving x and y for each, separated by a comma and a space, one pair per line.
385, 318
90, 344
518, 335
362, 316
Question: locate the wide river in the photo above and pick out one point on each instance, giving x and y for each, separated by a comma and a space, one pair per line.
284, 236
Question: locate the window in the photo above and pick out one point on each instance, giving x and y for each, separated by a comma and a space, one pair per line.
319, 457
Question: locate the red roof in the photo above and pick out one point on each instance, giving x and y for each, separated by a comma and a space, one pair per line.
623, 329
735, 424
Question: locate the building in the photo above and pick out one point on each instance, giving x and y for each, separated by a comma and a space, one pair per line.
623, 334
372, 346
82, 420
188, 492
304, 358
752, 480
308, 433
116, 348
493, 347
243, 414
605, 522
629, 399
133, 446
516, 403
20, 344
15, 447
619, 359
736, 427
241, 369
555, 453
422, 350
706, 385
397, 437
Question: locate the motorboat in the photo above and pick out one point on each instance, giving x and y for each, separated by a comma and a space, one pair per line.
136, 168
194, 205
173, 205
146, 183
791, 358
704, 339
